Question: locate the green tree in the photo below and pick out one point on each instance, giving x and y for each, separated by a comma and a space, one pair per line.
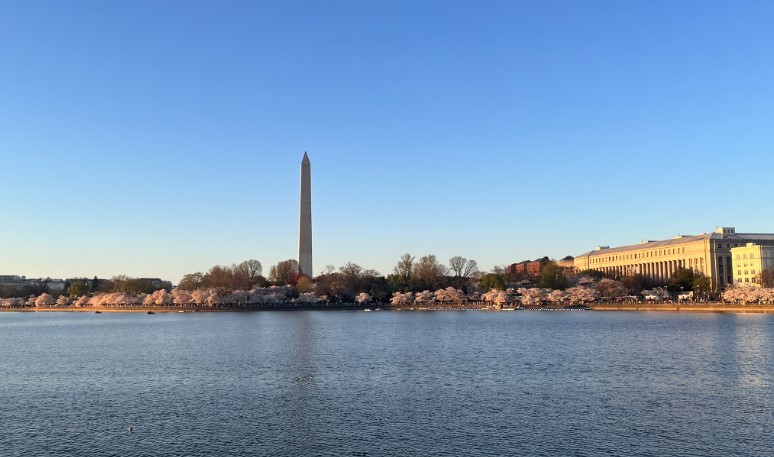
701, 283
682, 279
596, 274
78, 289
133, 286
94, 284
191, 282
633, 283
553, 277
492, 281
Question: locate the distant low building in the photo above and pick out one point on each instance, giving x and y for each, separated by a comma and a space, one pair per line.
749, 261
567, 262
13, 281
16, 282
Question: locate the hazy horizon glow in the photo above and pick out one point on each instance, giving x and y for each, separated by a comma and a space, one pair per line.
157, 139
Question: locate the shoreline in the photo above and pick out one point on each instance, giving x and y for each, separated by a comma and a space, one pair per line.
714, 307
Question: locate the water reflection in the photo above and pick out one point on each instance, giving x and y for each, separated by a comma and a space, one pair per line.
347, 383
753, 348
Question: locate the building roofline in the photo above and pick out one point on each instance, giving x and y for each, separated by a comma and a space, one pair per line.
741, 237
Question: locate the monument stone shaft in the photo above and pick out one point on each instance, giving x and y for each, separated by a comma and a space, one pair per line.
305, 219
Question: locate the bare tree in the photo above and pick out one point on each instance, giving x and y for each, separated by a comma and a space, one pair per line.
220, 277
284, 272
248, 273
404, 267
427, 272
462, 268
351, 272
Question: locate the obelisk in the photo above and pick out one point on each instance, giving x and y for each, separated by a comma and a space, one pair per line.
305, 219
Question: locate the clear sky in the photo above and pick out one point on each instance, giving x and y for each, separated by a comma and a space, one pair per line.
161, 138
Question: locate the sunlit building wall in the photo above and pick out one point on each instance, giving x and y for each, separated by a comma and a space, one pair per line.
708, 253
750, 260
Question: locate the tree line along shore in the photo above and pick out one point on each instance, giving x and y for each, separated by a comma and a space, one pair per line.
422, 283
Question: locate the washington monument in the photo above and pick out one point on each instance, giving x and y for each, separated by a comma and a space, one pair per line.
305, 219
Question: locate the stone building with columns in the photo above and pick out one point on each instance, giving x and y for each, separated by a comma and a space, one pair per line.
708, 253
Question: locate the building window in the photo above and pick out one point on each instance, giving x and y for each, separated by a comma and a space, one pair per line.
752, 272
739, 273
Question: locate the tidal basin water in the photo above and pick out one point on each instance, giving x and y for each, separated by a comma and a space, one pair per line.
386, 383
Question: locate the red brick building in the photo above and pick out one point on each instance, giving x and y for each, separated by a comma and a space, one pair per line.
533, 268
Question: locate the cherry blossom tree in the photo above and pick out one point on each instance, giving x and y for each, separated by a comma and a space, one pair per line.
402, 299
490, 295
307, 298
557, 296
44, 300
149, 300
424, 297
448, 295
363, 298
749, 294
534, 296
579, 295
237, 297
181, 297
206, 297
161, 298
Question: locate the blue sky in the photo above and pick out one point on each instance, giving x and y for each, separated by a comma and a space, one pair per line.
161, 138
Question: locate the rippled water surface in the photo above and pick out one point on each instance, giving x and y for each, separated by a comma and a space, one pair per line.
386, 383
